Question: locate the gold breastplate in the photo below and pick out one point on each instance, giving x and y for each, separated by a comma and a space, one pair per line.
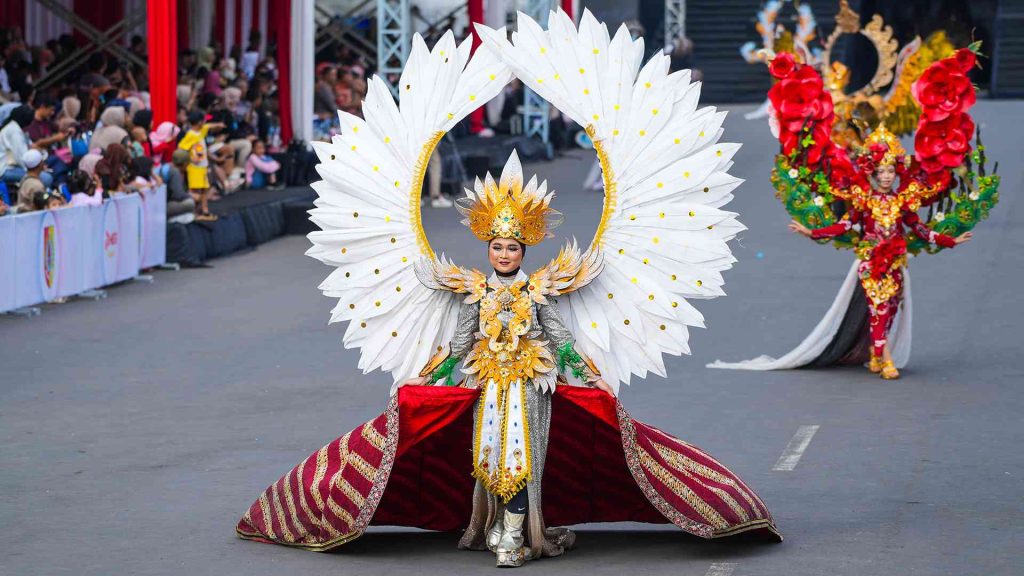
507, 349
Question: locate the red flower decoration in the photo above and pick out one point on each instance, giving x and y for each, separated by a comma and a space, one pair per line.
882, 255
943, 144
944, 89
841, 171
802, 108
782, 65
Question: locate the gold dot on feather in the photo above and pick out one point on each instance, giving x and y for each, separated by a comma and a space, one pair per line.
699, 283
706, 189
675, 304
355, 214
586, 92
615, 107
686, 174
701, 134
393, 240
596, 117
650, 297
362, 324
376, 168
676, 141
661, 185
596, 51
662, 326
376, 270
622, 250
404, 259
558, 76
632, 217
387, 139
394, 334
343, 250
355, 128
377, 303
610, 295
472, 97
353, 148
626, 321
692, 213
643, 132
647, 85
593, 324
397, 183
633, 280
398, 288
655, 240
661, 215
654, 112
333, 157
718, 153
582, 70
351, 306
673, 276
615, 132
646, 261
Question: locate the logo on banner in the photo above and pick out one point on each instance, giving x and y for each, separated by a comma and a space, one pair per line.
48, 247
111, 242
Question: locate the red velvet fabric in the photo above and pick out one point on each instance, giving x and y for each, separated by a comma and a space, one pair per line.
412, 466
280, 24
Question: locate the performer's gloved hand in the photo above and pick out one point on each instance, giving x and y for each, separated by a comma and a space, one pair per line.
602, 385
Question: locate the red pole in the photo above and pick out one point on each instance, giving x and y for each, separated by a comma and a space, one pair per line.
162, 29
476, 15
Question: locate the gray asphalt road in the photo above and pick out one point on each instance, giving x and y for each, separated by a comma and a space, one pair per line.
134, 431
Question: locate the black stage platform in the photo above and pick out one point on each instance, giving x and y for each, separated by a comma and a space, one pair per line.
245, 219
251, 217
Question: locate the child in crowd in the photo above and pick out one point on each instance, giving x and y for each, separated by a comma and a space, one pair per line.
260, 168
34, 161
194, 141
165, 141
139, 142
143, 177
47, 200
85, 189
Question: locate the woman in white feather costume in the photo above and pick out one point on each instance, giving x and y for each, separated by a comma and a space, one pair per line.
478, 454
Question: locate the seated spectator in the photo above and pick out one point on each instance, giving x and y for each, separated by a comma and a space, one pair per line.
67, 118
179, 202
142, 176
138, 145
14, 144
34, 162
143, 120
47, 200
113, 169
165, 141
261, 169
112, 131
85, 189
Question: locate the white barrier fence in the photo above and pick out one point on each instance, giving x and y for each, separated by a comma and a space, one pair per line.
50, 254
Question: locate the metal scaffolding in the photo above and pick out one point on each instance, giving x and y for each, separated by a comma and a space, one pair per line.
394, 30
675, 20
535, 109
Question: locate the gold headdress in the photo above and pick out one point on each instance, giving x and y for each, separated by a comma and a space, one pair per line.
894, 151
507, 209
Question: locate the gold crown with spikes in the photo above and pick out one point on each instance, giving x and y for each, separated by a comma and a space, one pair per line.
894, 151
507, 209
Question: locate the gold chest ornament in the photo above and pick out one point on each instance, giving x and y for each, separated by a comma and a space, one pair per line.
505, 351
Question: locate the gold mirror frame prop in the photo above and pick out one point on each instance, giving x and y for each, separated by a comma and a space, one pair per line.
880, 36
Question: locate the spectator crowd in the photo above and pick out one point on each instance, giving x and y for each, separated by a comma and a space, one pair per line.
90, 135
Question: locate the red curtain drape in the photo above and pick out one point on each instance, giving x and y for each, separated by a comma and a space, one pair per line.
162, 28
567, 8
476, 15
12, 14
280, 24
218, 21
239, 34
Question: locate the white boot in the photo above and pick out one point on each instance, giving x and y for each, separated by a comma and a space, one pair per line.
494, 534
511, 553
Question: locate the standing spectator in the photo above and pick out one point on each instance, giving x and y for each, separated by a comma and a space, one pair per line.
180, 204
113, 129
240, 134
194, 142
261, 169
85, 189
34, 162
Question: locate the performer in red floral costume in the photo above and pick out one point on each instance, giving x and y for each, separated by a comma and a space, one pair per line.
867, 197
529, 434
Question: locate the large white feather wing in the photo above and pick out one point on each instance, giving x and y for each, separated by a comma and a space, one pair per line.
662, 232
368, 208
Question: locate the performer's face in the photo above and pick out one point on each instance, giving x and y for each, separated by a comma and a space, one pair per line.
886, 176
505, 254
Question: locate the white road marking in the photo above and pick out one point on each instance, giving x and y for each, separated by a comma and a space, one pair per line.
795, 449
721, 569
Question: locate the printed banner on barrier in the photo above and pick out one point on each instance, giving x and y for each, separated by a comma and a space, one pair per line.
49, 254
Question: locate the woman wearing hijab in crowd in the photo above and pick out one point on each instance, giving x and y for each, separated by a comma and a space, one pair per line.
113, 167
164, 141
113, 129
88, 163
67, 118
